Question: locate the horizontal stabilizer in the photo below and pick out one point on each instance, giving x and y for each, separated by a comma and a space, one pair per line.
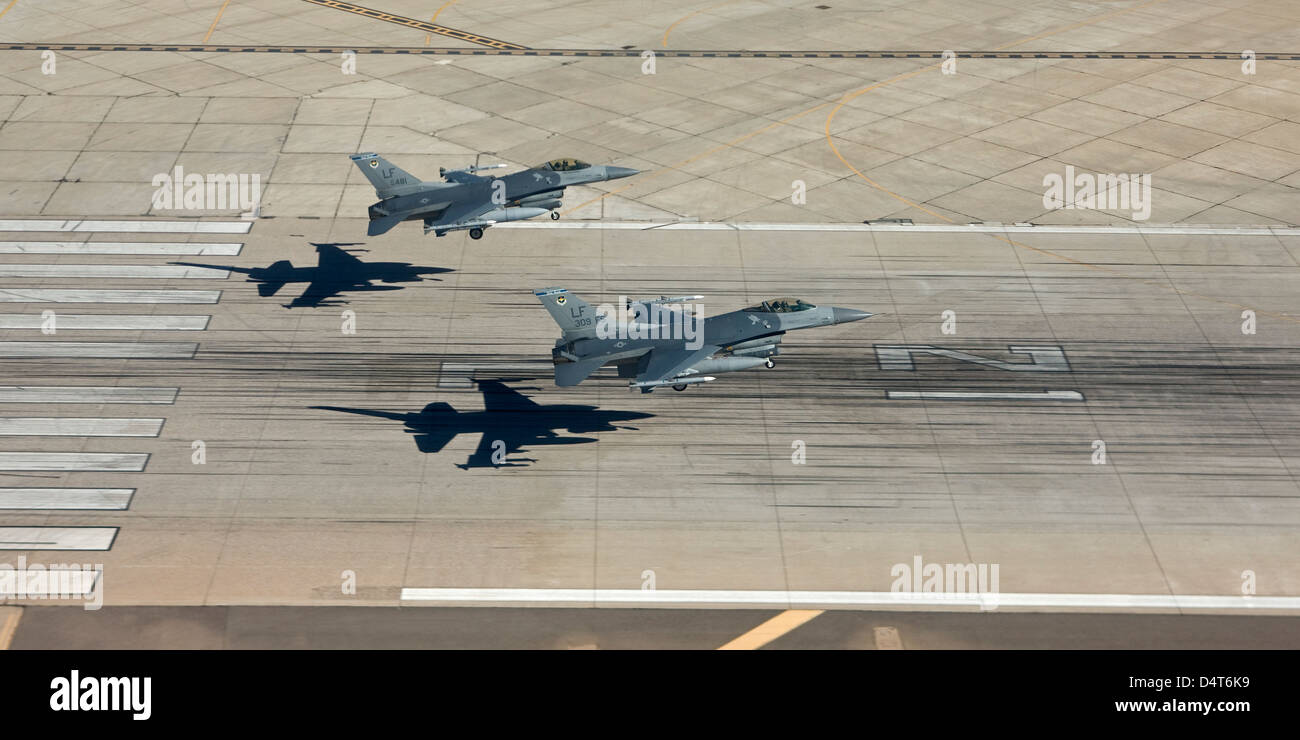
573, 373
383, 225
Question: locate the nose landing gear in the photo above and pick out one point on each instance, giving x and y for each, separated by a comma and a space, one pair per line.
555, 215
770, 363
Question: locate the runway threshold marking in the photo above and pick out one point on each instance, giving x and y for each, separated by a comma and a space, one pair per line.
66, 499
9, 623
57, 538
781, 624
402, 20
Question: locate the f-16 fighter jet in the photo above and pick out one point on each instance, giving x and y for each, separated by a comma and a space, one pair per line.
467, 200
654, 343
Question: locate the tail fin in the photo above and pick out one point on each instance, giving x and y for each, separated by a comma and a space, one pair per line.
575, 316
388, 178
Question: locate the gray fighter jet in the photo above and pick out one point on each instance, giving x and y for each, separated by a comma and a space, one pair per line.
655, 343
467, 200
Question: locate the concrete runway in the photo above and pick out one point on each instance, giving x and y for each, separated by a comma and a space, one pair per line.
1198, 484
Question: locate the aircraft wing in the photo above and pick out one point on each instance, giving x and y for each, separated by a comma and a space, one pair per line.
464, 211
666, 363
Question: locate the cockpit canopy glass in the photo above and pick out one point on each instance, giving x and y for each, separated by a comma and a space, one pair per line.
781, 305
565, 165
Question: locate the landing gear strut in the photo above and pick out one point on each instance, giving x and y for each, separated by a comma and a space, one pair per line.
476, 233
679, 387
555, 215
770, 363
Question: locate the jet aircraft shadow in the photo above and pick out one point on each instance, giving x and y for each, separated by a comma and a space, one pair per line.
511, 424
337, 271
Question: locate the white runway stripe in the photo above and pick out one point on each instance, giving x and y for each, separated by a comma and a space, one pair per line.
986, 395
1046, 602
60, 426
59, 295
100, 499
143, 272
57, 538
1009, 230
103, 350
144, 227
105, 322
167, 248
67, 462
85, 394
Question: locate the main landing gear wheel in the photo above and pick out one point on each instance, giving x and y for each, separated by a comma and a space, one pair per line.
555, 215
476, 233
679, 387
770, 364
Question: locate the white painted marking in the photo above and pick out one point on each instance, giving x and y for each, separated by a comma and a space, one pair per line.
66, 462
85, 394
101, 499
106, 350
458, 375
53, 295
142, 272
106, 322
144, 227
1045, 602
66, 426
57, 538
887, 638
1046, 358
985, 395
167, 248
989, 228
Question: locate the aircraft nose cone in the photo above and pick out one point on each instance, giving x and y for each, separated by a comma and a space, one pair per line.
615, 173
845, 315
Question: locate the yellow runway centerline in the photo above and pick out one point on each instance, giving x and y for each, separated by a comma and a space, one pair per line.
781, 624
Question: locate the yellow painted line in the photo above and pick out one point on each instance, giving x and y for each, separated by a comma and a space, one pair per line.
11, 4
9, 615
689, 16
781, 624
428, 38
400, 20
215, 21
